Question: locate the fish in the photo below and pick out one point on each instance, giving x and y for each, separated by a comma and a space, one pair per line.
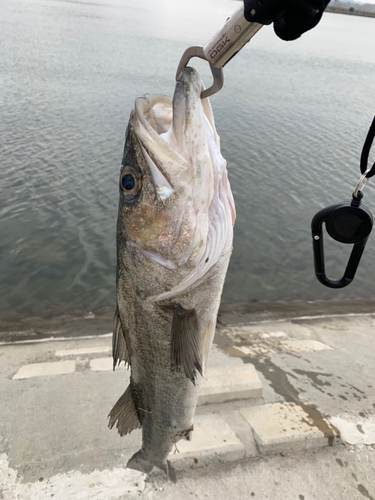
174, 241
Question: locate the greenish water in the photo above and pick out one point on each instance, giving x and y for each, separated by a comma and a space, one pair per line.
292, 119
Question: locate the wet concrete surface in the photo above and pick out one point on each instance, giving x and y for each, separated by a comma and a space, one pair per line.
333, 380
335, 473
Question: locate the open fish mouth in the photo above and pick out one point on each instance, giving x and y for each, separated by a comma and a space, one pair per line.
182, 149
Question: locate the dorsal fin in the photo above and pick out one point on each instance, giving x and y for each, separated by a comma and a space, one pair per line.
125, 414
119, 350
186, 349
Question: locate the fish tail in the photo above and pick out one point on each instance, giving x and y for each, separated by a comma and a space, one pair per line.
139, 461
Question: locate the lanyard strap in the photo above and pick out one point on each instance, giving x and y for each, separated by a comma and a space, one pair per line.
366, 151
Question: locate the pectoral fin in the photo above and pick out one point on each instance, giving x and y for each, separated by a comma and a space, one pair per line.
186, 349
125, 414
119, 351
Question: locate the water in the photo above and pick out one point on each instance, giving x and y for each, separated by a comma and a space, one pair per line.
292, 119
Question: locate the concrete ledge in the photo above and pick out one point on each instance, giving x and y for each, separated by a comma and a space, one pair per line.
212, 440
226, 383
45, 369
284, 427
83, 350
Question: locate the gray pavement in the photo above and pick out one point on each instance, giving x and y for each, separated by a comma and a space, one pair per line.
303, 428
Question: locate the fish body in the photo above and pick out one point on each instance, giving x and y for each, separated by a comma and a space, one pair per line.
174, 241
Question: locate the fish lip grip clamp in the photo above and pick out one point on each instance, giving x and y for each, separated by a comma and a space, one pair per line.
219, 50
237, 31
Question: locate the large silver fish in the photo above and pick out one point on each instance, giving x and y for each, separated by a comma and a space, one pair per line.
174, 241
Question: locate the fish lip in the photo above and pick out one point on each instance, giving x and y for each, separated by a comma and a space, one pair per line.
189, 75
188, 89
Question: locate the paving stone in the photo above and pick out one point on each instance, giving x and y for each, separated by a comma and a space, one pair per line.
355, 430
243, 431
212, 440
265, 345
283, 427
249, 337
304, 345
104, 364
45, 369
218, 358
83, 350
226, 383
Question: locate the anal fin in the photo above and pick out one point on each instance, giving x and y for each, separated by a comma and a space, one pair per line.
119, 350
186, 349
125, 414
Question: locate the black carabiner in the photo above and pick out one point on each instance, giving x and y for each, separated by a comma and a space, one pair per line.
346, 223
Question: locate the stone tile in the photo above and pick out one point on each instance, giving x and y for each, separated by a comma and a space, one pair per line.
212, 440
104, 365
304, 345
226, 383
45, 369
283, 427
243, 431
83, 350
218, 358
250, 337
354, 430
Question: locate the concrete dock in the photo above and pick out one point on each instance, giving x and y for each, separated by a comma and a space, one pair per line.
287, 411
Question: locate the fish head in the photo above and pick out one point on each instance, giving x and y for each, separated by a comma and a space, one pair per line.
174, 192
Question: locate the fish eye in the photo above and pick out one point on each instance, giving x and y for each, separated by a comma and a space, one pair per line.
130, 183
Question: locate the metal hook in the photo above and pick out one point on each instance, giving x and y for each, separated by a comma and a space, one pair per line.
217, 73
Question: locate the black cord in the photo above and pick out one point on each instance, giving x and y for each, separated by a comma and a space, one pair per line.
366, 151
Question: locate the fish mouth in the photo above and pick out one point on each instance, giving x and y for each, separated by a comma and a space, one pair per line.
186, 100
192, 122
182, 148
174, 133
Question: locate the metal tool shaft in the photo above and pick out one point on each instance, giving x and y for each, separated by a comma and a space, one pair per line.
230, 39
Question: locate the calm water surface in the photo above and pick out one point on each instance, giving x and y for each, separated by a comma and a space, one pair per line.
292, 119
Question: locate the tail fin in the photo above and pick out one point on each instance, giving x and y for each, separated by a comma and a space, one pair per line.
140, 462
